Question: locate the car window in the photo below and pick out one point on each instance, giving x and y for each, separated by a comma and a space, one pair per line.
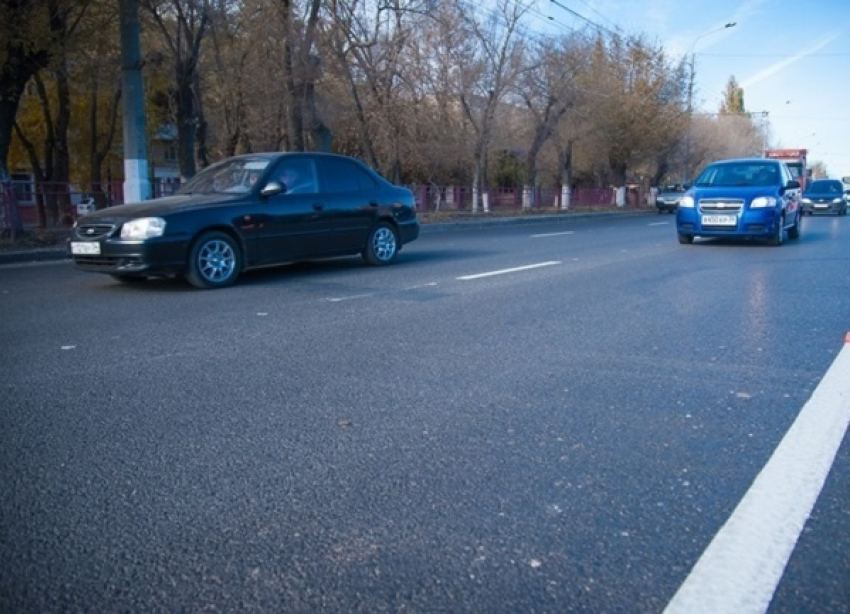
341, 175
829, 187
739, 174
297, 175
237, 175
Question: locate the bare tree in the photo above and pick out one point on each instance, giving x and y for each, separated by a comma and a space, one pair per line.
371, 43
490, 66
550, 91
183, 25
639, 111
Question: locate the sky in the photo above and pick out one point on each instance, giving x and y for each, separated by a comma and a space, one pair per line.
792, 59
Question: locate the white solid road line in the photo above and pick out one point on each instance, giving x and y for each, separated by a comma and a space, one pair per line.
504, 271
739, 571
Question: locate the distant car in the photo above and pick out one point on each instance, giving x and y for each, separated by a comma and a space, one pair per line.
741, 198
825, 196
248, 211
667, 200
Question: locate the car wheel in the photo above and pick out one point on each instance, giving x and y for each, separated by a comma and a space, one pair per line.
128, 279
686, 239
794, 231
779, 234
214, 261
382, 245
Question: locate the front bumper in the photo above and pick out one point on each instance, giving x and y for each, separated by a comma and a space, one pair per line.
159, 257
749, 223
812, 208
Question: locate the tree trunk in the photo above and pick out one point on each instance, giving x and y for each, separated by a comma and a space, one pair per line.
61, 155
185, 119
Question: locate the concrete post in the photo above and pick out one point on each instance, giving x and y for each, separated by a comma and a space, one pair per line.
137, 185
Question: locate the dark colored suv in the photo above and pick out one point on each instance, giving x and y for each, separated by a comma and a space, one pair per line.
741, 198
825, 196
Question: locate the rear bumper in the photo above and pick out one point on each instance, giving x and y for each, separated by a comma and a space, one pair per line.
408, 231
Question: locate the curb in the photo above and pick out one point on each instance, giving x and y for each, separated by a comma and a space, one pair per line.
33, 255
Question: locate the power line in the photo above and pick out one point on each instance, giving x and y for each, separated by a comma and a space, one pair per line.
600, 14
583, 18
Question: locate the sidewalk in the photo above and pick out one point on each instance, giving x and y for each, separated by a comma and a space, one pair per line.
15, 254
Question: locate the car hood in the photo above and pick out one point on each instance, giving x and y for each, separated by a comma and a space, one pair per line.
829, 195
161, 206
747, 192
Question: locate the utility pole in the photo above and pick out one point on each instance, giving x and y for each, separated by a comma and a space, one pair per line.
691, 76
137, 186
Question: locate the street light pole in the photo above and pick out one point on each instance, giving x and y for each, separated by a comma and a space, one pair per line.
763, 128
691, 75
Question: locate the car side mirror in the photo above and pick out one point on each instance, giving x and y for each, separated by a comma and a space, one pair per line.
272, 188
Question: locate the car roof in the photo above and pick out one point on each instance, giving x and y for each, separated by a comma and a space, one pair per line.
748, 161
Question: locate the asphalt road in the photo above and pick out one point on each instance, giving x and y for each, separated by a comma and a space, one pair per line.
556, 417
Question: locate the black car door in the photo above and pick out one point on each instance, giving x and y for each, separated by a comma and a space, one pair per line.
353, 200
294, 225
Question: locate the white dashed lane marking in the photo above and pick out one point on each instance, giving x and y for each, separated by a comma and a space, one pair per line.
506, 271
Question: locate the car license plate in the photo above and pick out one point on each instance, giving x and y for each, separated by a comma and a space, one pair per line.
719, 220
85, 247
821, 206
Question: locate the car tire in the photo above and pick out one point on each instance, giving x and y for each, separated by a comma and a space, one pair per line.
779, 235
686, 239
797, 228
382, 245
128, 279
215, 261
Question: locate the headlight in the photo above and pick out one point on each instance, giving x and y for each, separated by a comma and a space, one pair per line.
836, 201
143, 228
762, 202
808, 201
687, 202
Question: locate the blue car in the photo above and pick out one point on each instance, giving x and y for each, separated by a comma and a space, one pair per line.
751, 198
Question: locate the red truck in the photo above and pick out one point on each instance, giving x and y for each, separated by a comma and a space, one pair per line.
796, 161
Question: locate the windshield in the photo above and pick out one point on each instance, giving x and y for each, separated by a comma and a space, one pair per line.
739, 174
674, 187
826, 187
233, 176
796, 169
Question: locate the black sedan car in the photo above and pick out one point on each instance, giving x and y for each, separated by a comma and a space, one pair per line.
248, 211
825, 196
